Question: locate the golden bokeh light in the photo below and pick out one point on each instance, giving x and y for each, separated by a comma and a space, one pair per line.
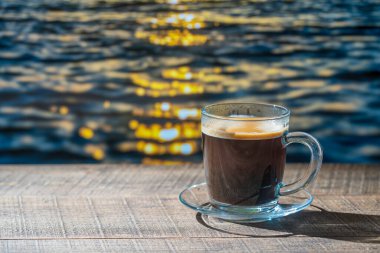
106, 104
86, 133
98, 154
167, 132
176, 2
133, 124
150, 149
177, 20
172, 38
63, 110
181, 73
151, 161
95, 151
175, 148
167, 110
152, 88
206, 75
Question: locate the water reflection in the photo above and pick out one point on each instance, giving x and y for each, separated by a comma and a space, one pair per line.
166, 110
178, 20
172, 38
86, 132
153, 148
166, 132
95, 151
96, 80
152, 88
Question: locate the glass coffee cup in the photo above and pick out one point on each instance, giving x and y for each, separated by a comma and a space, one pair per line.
244, 155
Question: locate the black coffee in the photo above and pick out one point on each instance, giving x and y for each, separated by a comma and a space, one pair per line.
243, 168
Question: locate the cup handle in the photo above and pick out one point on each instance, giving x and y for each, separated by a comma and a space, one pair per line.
314, 166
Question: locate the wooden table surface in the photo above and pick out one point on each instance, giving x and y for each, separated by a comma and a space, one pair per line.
122, 208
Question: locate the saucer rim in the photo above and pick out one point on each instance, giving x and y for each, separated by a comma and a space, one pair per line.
275, 213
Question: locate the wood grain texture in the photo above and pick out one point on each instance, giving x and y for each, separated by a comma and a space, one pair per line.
113, 208
162, 217
294, 244
131, 180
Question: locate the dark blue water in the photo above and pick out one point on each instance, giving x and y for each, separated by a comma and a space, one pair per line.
112, 81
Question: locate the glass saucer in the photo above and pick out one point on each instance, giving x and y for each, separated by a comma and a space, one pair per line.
196, 197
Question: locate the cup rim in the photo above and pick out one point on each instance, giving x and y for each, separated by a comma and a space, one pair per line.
285, 114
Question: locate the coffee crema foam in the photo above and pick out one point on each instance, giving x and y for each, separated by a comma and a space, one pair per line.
244, 130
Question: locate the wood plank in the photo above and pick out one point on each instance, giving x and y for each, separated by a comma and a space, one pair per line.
294, 244
132, 180
35, 217
81, 208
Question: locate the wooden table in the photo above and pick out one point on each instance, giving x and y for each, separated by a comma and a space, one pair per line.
121, 208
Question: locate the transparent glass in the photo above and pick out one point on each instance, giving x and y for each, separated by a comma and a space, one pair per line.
197, 198
244, 155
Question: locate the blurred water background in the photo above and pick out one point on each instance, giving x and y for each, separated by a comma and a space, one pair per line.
123, 81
